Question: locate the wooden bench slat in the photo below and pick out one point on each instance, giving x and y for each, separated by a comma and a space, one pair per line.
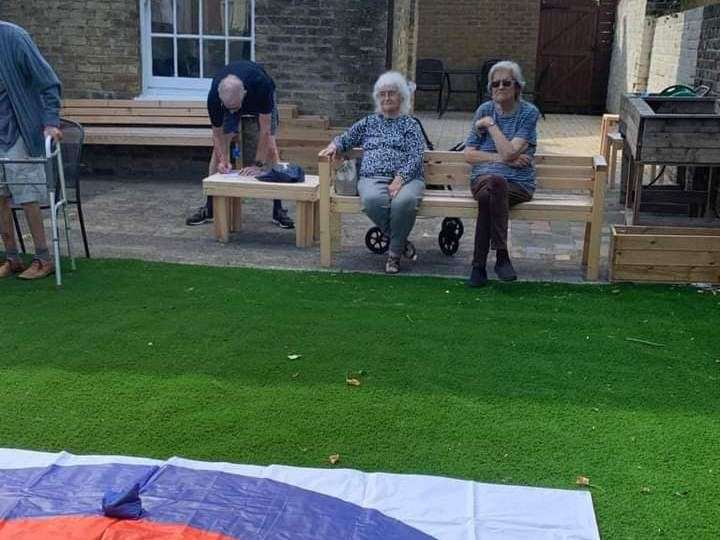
80, 112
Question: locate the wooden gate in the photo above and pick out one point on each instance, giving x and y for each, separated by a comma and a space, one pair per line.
574, 51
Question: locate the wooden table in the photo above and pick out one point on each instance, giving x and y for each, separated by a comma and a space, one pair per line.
228, 190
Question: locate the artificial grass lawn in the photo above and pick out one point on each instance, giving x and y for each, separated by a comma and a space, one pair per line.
526, 383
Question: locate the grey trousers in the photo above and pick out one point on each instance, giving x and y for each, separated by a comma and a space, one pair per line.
395, 217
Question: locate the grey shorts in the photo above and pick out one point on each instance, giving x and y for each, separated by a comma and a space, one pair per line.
24, 183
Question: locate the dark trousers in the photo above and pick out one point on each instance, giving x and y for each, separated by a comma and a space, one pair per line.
495, 196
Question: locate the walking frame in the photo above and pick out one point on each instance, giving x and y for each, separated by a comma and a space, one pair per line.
52, 154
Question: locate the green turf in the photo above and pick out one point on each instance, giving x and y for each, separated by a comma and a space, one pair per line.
527, 383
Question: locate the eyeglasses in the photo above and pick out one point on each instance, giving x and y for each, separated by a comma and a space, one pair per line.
388, 93
506, 83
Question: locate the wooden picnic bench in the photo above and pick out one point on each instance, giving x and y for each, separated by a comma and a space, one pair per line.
186, 123
570, 188
228, 191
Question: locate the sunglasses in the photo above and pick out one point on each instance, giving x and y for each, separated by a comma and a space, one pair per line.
506, 83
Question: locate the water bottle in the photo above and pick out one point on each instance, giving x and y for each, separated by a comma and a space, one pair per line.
236, 155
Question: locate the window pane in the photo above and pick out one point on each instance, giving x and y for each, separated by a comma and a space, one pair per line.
214, 17
239, 13
213, 57
239, 50
161, 16
188, 58
188, 16
162, 57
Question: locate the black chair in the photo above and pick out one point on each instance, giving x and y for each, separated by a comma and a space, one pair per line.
71, 147
430, 76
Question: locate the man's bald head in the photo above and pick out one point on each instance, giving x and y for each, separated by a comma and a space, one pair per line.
232, 92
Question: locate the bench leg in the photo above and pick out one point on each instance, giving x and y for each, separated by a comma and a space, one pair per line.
222, 222
612, 168
326, 236
591, 253
304, 225
316, 221
235, 214
586, 243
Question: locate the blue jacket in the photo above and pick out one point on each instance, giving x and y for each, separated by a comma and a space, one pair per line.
31, 84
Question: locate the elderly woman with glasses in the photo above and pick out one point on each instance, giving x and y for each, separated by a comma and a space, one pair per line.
500, 148
391, 173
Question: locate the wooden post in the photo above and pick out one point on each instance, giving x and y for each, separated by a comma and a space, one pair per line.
316, 222
222, 223
593, 247
235, 214
304, 225
324, 204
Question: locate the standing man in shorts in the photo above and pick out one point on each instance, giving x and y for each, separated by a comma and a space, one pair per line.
242, 88
29, 112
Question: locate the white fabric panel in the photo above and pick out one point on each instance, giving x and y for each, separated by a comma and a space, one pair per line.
444, 508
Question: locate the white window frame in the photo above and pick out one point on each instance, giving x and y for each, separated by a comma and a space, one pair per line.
154, 86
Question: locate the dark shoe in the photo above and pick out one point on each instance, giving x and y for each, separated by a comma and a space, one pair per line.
504, 269
9, 268
38, 270
199, 217
478, 277
282, 220
410, 252
392, 266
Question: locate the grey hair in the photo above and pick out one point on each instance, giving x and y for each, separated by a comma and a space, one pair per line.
510, 66
396, 79
231, 88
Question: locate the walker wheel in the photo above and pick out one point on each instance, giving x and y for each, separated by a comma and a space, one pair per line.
376, 241
453, 226
449, 243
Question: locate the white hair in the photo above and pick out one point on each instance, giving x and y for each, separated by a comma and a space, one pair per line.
231, 89
512, 67
397, 80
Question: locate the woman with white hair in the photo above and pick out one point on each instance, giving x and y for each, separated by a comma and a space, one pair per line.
500, 148
391, 173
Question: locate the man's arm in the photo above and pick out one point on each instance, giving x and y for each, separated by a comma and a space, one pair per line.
43, 78
221, 141
267, 150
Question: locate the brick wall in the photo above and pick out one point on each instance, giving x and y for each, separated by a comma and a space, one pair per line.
630, 64
465, 33
708, 62
324, 56
675, 50
93, 45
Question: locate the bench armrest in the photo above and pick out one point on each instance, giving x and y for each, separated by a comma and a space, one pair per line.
599, 164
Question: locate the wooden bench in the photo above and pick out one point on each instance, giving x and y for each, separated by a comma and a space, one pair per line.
186, 123
228, 190
570, 188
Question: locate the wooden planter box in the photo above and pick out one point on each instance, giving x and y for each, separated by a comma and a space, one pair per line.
671, 130
665, 254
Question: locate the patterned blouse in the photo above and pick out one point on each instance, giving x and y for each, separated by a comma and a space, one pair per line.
391, 146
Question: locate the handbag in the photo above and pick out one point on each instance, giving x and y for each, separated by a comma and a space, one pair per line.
346, 178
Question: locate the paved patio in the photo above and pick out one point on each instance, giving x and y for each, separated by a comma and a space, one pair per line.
145, 219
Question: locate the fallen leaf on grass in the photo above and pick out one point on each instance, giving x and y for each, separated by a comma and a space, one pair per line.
352, 381
294, 356
334, 458
295, 375
585, 482
645, 490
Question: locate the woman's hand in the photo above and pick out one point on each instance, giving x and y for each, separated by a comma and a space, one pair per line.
329, 151
395, 186
523, 160
484, 123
